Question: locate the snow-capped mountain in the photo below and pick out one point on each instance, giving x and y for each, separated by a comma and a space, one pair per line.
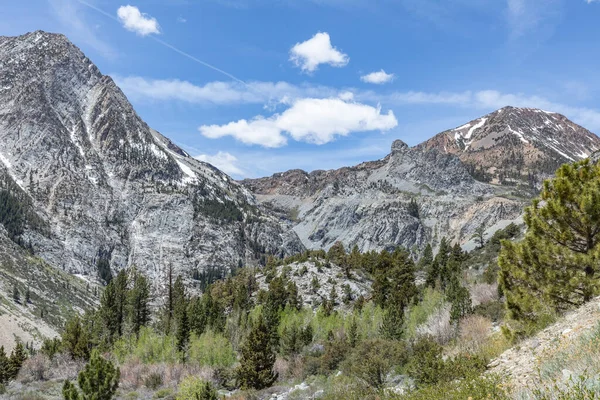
107, 186
514, 145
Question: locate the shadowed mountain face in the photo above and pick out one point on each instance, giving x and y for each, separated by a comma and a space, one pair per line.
102, 185
516, 145
411, 197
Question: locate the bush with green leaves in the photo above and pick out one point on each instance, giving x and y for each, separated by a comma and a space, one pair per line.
212, 350
373, 359
192, 388
428, 367
98, 381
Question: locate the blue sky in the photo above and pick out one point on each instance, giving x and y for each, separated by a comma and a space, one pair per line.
320, 84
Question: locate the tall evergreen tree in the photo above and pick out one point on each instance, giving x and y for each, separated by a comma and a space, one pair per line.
4, 366
427, 259
479, 236
197, 316
75, 339
257, 359
16, 294
557, 263
433, 274
138, 299
183, 332
17, 358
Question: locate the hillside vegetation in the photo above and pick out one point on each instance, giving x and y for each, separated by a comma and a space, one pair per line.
349, 325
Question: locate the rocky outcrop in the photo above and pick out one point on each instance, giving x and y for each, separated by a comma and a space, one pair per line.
516, 145
369, 205
107, 185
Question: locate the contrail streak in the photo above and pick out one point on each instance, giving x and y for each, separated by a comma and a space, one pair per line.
170, 46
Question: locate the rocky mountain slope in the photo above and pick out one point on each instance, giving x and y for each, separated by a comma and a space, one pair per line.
557, 356
102, 186
411, 197
515, 145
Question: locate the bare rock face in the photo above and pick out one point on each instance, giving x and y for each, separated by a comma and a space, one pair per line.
108, 186
369, 205
515, 145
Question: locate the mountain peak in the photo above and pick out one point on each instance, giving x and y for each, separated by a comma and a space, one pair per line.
398, 146
515, 144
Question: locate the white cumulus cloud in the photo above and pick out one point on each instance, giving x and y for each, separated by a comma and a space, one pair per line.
310, 120
378, 78
224, 161
135, 21
317, 50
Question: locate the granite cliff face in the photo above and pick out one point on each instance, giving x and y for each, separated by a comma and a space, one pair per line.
369, 205
103, 185
516, 145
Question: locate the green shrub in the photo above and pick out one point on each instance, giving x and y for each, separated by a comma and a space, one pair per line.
581, 388
196, 389
494, 310
163, 393
428, 367
487, 387
149, 348
372, 360
212, 350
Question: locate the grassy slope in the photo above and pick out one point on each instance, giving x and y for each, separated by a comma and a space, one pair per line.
53, 292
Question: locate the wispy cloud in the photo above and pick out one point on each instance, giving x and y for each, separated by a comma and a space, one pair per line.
315, 51
310, 120
529, 16
233, 93
226, 162
378, 78
135, 21
218, 92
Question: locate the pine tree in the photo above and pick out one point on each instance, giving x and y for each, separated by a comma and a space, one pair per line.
479, 236
294, 298
16, 294
257, 359
355, 258
27, 296
427, 258
98, 381
353, 333
290, 340
17, 358
183, 332
337, 253
392, 326
314, 285
169, 305
459, 298
443, 253
197, 316
75, 339
557, 263
5, 367
138, 302
433, 273
70, 392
